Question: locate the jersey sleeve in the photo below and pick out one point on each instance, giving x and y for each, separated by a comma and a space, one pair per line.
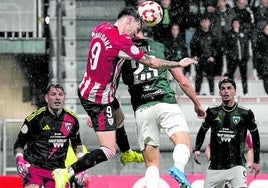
252, 126
75, 137
128, 49
24, 135
251, 121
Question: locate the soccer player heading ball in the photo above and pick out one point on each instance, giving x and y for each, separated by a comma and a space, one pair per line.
97, 90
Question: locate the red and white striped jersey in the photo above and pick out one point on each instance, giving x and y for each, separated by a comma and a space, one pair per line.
106, 48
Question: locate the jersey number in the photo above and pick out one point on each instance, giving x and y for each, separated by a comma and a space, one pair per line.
143, 73
95, 54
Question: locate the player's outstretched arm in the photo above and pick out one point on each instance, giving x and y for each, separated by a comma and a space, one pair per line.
187, 88
165, 64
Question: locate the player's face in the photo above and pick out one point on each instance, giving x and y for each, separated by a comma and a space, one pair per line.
55, 98
133, 27
227, 92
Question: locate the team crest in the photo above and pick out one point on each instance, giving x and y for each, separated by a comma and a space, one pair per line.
236, 119
68, 126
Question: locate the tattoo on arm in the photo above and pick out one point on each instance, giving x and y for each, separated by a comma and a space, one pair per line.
169, 64
165, 64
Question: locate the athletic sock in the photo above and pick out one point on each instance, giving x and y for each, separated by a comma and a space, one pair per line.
122, 140
152, 177
89, 160
181, 155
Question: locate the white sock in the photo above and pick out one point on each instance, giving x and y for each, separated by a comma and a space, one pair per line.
181, 155
152, 177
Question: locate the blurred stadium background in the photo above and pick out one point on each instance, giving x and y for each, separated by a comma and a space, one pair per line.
47, 40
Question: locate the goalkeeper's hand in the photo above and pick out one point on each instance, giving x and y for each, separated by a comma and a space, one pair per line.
22, 166
81, 178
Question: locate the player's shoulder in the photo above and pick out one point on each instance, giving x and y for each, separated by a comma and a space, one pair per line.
243, 108
71, 113
103, 25
104, 28
214, 107
36, 113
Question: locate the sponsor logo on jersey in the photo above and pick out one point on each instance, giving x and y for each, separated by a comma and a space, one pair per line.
236, 119
24, 129
46, 127
217, 119
58, 140
226, 135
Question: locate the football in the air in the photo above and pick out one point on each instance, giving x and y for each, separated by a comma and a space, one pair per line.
151, 13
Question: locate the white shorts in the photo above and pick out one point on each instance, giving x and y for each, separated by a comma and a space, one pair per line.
236, 177
150, 120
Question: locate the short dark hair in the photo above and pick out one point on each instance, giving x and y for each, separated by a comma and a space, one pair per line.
204, 16
227, 80
130, 11
55, 85
235, 19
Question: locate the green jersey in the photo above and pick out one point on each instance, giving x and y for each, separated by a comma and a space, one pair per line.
147, 86
228, 132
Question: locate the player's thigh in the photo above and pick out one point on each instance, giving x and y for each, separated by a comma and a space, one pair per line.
214, 179
119, 115
102, 117
148, 130
107, 139
171, 118
237, 176
34, 178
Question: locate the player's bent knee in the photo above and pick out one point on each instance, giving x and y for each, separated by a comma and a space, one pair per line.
109, 153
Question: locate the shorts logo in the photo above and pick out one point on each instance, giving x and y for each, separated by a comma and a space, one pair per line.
134, 50
24, 129
111, 121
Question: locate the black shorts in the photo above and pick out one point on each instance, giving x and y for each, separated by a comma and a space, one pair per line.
102, 115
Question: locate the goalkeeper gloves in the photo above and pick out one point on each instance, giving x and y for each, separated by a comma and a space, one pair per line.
22, 166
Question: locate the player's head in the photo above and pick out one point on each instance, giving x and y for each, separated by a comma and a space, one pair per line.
55, 97
227, 90
130, 11
131, 20
227, 80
